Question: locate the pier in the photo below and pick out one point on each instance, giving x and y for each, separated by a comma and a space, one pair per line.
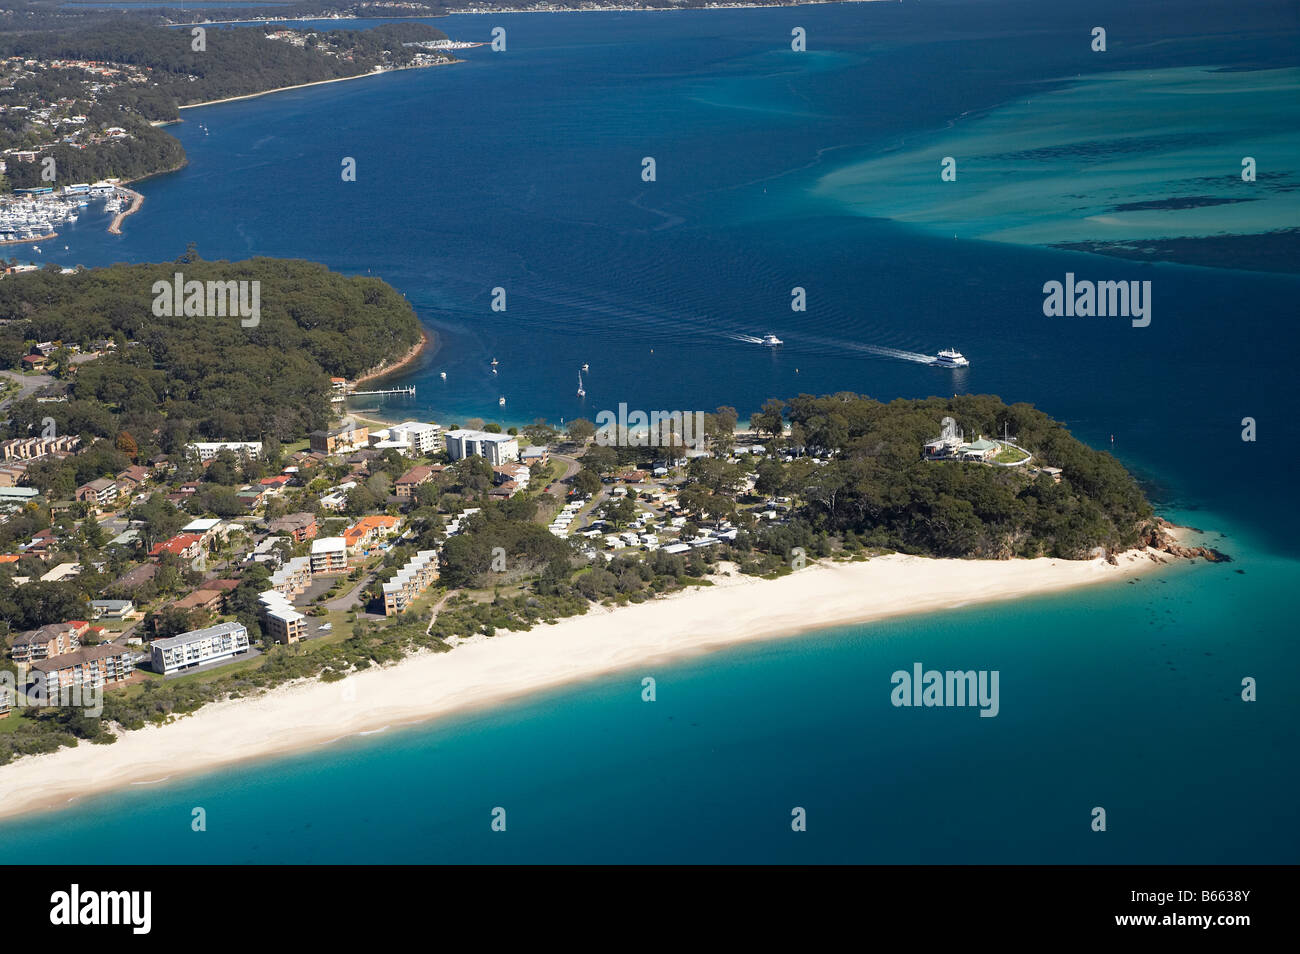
136, 200
410, 391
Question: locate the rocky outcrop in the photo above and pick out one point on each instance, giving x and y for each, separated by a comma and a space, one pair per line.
1159, 536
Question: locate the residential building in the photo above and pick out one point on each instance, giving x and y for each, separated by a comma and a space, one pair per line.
410, 581
423, 439
283, 623
111, 609
300, 526
210, 449
535, 455
405, 485
342, 438
53, 639
329, 555
18, 495
208, 601
30, 448
199, 647
100, 492
496, 449
292, 578
187, 546
369, 530
88, 667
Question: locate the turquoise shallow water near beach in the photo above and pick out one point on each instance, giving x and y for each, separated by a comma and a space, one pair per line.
778, 169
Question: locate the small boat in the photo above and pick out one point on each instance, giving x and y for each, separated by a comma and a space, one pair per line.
585, 368
582, 392
950, 358
501, 401
443, 375
772, 341
494, 362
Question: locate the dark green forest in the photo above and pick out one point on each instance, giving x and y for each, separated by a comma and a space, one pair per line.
176, 379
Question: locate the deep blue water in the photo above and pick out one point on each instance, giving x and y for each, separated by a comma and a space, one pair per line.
522, 170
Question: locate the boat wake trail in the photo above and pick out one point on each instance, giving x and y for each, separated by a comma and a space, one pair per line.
881, 350
745, 339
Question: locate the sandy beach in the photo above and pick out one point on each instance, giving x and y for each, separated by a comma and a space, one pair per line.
483, 671
338, 79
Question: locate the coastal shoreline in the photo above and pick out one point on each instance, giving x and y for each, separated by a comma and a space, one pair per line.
285, 89
405, 361
483, 671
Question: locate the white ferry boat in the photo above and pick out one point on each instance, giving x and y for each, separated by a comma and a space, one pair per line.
772, 341
950, 359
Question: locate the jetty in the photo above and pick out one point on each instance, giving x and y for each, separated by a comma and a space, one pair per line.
136, 201
409, 391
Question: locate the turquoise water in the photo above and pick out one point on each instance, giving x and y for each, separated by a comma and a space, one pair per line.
523, 170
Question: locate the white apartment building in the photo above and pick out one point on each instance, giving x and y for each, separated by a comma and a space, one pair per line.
210, 449
329, 555
199, 647
424, 439
496, 449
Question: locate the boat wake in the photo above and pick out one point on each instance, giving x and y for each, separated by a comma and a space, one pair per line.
880, 350
744, 339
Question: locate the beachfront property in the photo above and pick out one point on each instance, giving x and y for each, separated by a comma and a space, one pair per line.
535, 455
199, 647
329, 555
496, 449
89, 667
345, 436
100, 492
207, 450
53, 639
301, 526
283, 623
410, 581
369, 530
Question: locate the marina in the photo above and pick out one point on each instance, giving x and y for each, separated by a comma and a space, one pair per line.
35, 215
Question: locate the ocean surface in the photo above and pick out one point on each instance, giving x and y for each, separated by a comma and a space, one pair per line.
522, 170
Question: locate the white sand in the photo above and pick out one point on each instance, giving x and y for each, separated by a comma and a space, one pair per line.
483, 671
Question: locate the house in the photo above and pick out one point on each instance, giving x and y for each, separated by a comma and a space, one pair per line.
34, 362
410, 581
199, 647
100, 492
89, 667
206, 528
405, 485
300, 526
187, 546
132, 478
276, 484
251, 497
111, 609
344, 437
496, 449
1053, 472
137, 577
369, 530
329, 555
535, 455
54, 639
980, 450
207, 450
516, 473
